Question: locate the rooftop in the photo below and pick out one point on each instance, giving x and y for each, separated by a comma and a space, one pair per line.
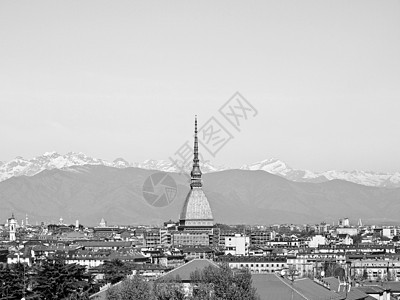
185, 270
273, 287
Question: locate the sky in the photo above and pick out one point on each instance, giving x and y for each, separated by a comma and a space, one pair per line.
125, 79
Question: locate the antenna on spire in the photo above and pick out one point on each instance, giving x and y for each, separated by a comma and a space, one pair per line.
196, 144
196, 173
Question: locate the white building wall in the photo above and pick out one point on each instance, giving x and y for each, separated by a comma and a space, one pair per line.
350, 231
316, 241
237, 245
389, 232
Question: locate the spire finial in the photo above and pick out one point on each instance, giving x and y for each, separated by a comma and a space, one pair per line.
196, 173
196, 144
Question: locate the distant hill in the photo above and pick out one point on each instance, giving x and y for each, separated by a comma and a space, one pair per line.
91, 192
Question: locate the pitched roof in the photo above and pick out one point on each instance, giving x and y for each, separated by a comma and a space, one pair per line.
105, 244
127, 256
371, 289
185, 270
333, 283
273, 287
270, 287
355, 294
394, 286
312, 290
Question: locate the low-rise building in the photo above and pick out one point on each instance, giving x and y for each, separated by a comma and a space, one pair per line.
198, 253
376, 269
256, 265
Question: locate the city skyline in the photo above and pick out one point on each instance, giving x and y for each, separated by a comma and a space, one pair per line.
120, 80
199, 149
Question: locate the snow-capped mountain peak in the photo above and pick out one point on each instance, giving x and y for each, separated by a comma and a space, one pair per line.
52, 153
53, 160
369, 178
121, 163
49, 160
272, 165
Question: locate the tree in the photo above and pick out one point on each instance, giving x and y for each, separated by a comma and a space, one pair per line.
54, 279
218, 283
131, 288
339, 272
114, 271
168, 289
333, 269
365, 274
389, 276
292, 272
14, 281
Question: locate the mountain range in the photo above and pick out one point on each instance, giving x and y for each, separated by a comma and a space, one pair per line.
53, 160
91, 192
368, 178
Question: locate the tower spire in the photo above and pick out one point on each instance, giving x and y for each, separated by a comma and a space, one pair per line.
196, 173
196, 145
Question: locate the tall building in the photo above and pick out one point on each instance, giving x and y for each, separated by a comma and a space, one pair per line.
13, 228
196, 220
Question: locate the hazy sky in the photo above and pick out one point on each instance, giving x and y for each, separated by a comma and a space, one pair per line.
125, 79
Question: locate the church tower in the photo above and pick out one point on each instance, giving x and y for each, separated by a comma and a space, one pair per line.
13, 228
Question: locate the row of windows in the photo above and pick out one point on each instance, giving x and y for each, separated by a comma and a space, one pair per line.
377, 265
264, 271
262, 265
193, 238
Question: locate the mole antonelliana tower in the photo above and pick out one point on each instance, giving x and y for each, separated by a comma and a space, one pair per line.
196, 221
